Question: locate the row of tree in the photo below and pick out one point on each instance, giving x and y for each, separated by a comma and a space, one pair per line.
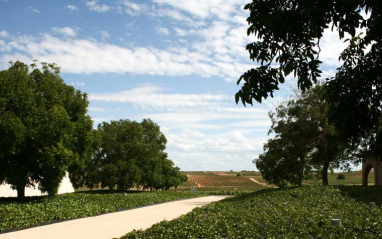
45, 131
335, 123
305, 141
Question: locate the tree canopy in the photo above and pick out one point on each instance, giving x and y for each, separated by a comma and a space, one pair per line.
44, 128
289, 34
304, 139
131, 154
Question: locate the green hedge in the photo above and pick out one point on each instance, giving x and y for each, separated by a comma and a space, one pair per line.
15, 214
304, 212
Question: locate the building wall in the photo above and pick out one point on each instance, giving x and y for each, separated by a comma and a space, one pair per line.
65, 187
366, 167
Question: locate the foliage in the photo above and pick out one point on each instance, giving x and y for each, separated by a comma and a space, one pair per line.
341, 176
355, 94
289, 34
304, 140
131, 154
303, 212
44, 128
34, 211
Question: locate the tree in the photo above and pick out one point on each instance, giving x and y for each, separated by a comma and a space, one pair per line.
304, 139
43, 127
289, 33
355, 94
131, 154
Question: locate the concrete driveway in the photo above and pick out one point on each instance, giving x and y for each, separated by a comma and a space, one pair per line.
112, 225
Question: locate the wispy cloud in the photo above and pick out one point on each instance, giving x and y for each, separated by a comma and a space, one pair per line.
132, 8
89, 56
4, 34
33, 9
65, 31
152, 97
94, 6
104, 35
72, 7
204, 9
163, 31
78, 83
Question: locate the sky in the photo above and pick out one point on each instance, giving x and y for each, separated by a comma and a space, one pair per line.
173, 61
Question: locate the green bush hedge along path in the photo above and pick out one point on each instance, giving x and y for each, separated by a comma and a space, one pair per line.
304, 212
15, 214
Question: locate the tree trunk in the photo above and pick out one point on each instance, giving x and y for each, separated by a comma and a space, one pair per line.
20, 192
325, 180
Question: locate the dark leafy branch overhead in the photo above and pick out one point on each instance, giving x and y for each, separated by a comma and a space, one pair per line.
289, 33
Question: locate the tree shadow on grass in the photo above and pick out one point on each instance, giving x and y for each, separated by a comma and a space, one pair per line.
363, 193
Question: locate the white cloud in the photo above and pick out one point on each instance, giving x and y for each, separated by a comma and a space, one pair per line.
150, 96
94, 6
89, 56
79, 83
204, 9
163, 31
65, 31
182, 32
33, 9
96, 109
4, 34
207, 129
72, 7
133, 9
104, 34
331, 47
176, 15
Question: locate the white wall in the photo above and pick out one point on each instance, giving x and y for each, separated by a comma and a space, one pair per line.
65, 187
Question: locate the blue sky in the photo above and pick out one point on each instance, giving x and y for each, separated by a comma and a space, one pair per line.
173, 61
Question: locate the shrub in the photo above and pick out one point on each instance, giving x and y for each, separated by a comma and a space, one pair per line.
341, 176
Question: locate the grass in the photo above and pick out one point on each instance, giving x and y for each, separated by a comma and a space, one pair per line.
300, 212
351, 178
32, 211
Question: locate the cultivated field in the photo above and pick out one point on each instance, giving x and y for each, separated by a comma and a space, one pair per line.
225, 180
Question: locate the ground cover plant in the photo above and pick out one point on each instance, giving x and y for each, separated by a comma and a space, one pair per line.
15, 214
302, 212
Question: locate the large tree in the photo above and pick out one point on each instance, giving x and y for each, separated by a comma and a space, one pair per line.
131, 154
304, 139
44, 128
289, 34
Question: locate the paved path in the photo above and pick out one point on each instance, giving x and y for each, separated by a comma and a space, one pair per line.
112, 225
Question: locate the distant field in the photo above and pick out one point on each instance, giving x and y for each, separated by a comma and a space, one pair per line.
223, 182
218, 179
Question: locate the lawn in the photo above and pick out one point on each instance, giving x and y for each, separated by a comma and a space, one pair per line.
32, 211
351, 178
300, 212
